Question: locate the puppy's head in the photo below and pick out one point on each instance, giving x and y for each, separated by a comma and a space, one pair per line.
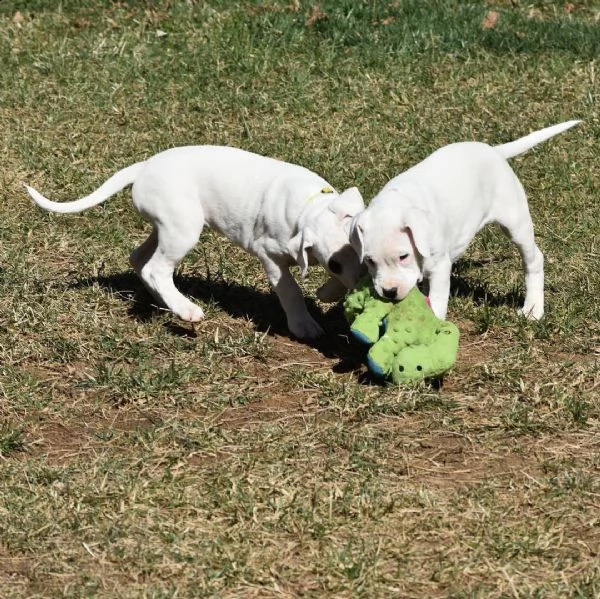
392, 243
324, 238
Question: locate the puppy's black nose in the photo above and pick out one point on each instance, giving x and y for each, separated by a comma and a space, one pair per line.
390, 293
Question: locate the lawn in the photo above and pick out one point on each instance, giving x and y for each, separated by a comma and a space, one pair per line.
141, 456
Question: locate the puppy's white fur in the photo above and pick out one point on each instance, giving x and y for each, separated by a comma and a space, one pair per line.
424, 219
283, 213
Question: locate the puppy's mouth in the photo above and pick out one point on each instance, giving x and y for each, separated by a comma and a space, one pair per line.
392, 293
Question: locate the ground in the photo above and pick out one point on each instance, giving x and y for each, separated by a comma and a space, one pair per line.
141, 456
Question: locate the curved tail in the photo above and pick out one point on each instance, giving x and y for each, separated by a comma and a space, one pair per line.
116, 183
519, 146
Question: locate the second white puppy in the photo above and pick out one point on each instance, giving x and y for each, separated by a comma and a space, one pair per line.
283, 213
424, 219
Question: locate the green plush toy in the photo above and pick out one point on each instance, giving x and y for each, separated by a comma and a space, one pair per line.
416, 344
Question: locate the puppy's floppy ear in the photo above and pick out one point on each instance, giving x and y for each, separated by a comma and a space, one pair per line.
348, 203
420, 226
297, 246
356, 235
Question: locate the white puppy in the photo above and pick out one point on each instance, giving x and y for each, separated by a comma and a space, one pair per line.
281, 212
424, 219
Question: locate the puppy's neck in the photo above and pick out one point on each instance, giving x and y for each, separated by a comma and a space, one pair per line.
313, 208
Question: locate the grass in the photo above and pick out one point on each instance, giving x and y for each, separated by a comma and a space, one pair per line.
144, 457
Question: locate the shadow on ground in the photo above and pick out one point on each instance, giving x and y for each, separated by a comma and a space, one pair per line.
463, 285
239, 301
265, 312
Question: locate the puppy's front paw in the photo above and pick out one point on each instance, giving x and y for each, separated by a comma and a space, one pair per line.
189, 312
305, 328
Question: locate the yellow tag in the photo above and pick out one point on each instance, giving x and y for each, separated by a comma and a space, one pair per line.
314, 196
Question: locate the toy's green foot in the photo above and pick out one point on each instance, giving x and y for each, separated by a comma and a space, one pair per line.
375, 367
361, 336
381, 356
366, 329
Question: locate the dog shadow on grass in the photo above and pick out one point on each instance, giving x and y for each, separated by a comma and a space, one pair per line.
239, 301
267, 316
463, 285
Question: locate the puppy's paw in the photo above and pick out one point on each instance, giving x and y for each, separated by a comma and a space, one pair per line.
305, 328
533, 312
332, 291
190, 312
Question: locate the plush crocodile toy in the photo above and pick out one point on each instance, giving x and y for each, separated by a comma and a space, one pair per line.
415, 343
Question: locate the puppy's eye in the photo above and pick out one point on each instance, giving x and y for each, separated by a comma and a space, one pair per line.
369, 261
335, 267
404, 257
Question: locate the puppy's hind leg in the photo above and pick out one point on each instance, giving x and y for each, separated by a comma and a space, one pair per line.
533, 264
518, 226
143, 252
155, 261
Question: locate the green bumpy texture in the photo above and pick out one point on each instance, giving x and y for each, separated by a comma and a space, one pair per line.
416, 344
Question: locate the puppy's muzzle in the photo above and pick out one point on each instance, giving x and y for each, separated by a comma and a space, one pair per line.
389, 292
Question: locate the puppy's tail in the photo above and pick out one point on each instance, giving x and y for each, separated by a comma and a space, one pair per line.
116, 183
519, 146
